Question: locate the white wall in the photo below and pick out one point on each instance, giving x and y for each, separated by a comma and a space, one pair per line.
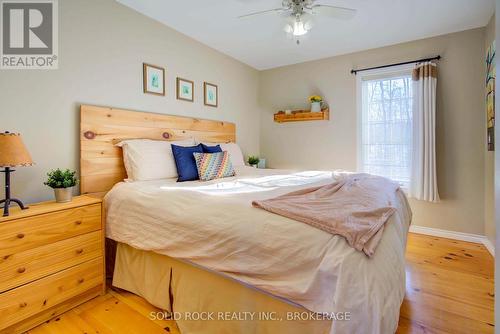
102, 47
329, 145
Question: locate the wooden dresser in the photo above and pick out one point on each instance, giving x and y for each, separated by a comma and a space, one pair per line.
51, 260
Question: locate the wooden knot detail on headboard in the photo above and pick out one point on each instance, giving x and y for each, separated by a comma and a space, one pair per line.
166, 135
89, 135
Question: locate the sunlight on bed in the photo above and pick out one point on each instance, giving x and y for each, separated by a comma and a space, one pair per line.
250, 185
222, 188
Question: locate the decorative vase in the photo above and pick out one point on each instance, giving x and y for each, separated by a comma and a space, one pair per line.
262, 163
254, 165
315, 106
63, 195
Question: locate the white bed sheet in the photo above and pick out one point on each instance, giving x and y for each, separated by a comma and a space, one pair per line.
213, 224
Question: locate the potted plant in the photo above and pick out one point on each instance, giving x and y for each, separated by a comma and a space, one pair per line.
315, 103
62, 181
253, 161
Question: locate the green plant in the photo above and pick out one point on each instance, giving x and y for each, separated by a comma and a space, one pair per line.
61, 179
253, 160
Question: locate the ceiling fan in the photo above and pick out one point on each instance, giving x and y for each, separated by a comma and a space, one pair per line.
300, 12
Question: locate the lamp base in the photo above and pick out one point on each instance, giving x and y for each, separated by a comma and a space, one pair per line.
8, 200
7, 203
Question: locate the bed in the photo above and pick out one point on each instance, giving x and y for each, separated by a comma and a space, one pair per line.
200, 250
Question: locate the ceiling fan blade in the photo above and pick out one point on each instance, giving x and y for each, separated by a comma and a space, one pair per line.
334, 11
261, 12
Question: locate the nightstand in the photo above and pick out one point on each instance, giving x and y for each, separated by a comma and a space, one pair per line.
51, 260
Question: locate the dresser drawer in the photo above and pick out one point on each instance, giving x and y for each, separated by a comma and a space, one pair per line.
32, 264
27, 233
27, 300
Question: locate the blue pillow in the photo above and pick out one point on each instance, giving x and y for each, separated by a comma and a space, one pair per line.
211, 149
185, 162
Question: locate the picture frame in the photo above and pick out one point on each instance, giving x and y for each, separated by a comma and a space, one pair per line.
185, 89
490, 95
210, 94
153, 79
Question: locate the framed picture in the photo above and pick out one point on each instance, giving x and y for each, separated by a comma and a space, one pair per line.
185, 89
211, 94
154, 79
490, 94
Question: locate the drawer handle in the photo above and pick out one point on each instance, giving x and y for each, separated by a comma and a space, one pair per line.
80, 281
20, 235
78, 222
21, 270
23, 305
79, 251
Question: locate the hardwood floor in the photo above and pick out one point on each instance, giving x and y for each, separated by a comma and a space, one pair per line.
449, 289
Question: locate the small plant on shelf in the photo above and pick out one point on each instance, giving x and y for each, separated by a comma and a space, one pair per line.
253, 161
62, 181
315, 103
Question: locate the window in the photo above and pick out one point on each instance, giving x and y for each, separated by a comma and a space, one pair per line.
386, 125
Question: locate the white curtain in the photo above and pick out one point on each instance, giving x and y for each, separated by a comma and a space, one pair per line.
386, 125
424, 181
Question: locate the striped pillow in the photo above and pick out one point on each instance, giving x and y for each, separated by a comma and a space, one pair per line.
213, 165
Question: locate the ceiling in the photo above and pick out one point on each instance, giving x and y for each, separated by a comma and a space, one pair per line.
261, 42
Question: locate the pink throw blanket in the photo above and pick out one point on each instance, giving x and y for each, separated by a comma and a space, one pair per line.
355, 207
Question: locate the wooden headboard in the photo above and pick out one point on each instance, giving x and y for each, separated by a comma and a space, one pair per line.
101, 162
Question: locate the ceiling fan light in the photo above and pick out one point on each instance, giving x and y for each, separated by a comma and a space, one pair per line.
299, 28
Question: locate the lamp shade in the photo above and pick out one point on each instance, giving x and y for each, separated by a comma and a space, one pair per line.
12, 151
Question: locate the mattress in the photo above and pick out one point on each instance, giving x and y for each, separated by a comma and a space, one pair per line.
213, 225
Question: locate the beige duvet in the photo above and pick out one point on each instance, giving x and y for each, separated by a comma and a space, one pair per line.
215, 226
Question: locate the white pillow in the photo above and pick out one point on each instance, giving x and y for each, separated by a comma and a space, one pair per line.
234, 151
146, 159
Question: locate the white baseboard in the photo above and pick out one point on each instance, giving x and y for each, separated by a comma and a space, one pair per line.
447, 234
469, 237
489, 246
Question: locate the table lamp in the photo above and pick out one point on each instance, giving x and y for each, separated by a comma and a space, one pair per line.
13, 153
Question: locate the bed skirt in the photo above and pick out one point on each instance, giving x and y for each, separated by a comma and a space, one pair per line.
206, 302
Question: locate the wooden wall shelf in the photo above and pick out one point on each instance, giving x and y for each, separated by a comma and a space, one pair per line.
302, 115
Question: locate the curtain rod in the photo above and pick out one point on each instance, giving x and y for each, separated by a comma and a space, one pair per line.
397, 64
